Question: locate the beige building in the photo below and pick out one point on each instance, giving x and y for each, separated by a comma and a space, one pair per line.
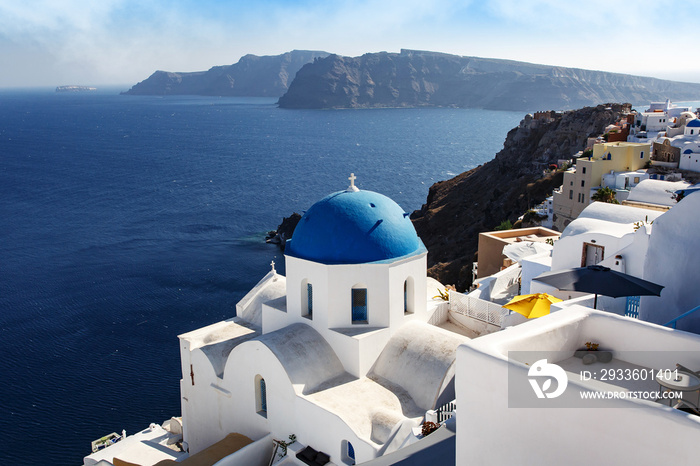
491, 244
577, 188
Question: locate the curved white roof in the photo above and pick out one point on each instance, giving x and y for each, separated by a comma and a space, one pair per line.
305, 355
370, 408
216, 341
610, 219
590, 225
617, 213
656, 192
419, 358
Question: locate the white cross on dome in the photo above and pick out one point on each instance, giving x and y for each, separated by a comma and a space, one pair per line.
352, 187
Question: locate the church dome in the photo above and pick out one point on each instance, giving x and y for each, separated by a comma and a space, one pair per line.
353, 227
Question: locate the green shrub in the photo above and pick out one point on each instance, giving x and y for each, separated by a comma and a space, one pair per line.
505, 225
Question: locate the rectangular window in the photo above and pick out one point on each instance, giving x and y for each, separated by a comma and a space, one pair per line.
583, 183
583, 170
641, 155
571, 194
359, 305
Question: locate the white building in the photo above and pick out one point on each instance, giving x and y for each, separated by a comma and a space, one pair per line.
692, 128
671, 260
690, 159
660, 246
668, 107
622, 182
658, 120
501, 421
338, 352
689, 144
654, 121
598, 233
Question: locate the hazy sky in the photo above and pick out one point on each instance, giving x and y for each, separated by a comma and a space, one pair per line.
99, 42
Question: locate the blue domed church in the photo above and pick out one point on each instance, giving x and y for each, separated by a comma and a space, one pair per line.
340, 352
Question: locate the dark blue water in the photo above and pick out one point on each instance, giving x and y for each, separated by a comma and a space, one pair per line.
125, 221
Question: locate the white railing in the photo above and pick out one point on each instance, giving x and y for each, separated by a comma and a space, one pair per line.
476, 308
446, 411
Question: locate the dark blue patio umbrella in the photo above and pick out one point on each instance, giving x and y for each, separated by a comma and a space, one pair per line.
600, 280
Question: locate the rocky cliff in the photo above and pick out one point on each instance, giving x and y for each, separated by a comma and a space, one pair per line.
416, 78
252, 76
457, 210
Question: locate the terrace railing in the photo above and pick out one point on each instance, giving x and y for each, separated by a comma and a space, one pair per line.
672, 323
478, 309
446, 411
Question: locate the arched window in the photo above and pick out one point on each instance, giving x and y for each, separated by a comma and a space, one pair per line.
310, 299
347, 453
307, 299
405, 296
408, 296
359, 305
260, 396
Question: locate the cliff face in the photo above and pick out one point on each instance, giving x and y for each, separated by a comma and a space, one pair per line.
457, 210
252, 76
414, 78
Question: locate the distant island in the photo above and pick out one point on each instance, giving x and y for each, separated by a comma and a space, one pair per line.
251, 76
429, 79
413, 78
75, 88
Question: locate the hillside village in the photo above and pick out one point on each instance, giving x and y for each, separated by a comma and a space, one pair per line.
639, 169
662, 143
356, 356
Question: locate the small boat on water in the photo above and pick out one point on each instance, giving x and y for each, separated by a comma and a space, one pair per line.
75, 88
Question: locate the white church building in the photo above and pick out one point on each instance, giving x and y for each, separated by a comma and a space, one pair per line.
338, 352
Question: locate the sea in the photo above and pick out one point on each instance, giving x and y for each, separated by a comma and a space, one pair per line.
126, 221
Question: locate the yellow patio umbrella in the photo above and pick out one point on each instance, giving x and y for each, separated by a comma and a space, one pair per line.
532, 305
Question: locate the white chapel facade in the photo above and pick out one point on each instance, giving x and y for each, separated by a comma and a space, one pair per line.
343, 341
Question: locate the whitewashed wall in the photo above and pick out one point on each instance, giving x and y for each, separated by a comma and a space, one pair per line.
672, 261
628, 432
